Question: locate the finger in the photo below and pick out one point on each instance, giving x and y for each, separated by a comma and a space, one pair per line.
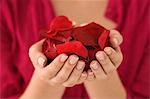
74, 23
115, 38
82, 78
38, 59
65, 71
115, 56
51, 70
75, 75
105, 62
97, 70
90, 76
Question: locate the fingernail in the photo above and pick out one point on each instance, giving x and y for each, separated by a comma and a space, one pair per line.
74, 23
80, 65
100, 55
115, 41
41, 61
107, 50
84, 74
94, 65
83, 24
73, 59
63, 58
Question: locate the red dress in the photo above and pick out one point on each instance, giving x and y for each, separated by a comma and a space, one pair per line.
21, 21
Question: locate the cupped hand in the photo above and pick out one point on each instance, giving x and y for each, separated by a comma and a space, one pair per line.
63, 70
68, 70
108, 60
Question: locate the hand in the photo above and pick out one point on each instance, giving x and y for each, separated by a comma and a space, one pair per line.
63, 70
107, 60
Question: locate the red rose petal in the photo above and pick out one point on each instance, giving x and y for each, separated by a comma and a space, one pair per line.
65, 35
87, 64
62, 36
60, 29
49, 34
60, 23
49, 48
88, 34
73, 47
103, 39
92, 52
83, 41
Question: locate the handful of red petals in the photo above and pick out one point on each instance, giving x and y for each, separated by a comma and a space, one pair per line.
84, 41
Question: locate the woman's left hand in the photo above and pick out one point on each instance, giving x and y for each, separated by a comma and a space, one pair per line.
107, 60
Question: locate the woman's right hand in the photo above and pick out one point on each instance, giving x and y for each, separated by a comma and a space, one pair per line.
63, 70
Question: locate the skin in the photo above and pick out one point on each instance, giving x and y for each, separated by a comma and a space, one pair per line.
84, 11
67, 71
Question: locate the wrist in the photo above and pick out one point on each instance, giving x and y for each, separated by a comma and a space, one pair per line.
38, 88
105, 88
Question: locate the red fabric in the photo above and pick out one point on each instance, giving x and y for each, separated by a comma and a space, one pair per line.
133, 19
21, 20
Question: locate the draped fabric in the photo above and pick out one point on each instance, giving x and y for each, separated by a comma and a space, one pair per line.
133, 19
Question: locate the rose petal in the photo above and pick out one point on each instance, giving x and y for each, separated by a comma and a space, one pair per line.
73, 47
103, 39
92, 52
60, 23
88, 34
60, 29
87, 64
49, 48
66, 35
83, 41
49, 34
62, 36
